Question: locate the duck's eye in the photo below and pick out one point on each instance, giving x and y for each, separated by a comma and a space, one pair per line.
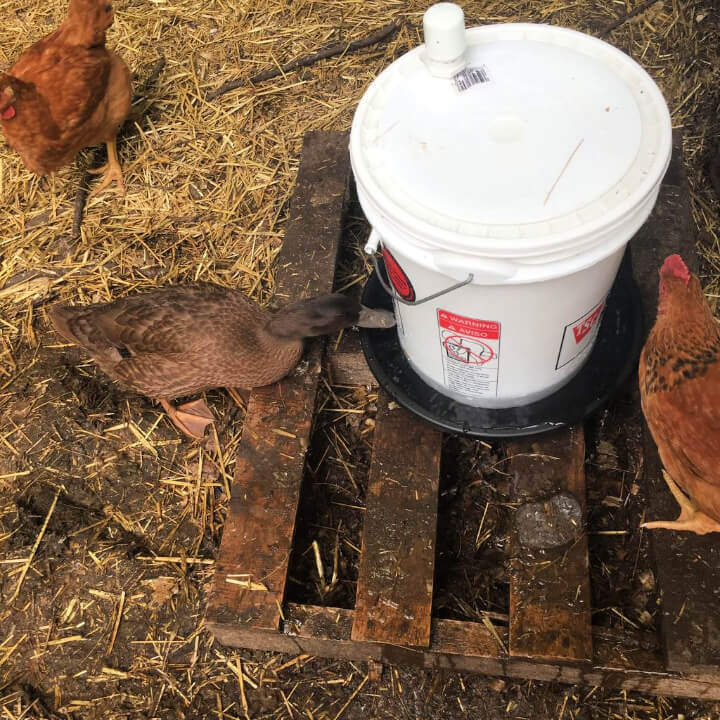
108, 8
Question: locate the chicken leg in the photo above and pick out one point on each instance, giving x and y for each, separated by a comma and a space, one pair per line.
191, 418
690, 517
111, 170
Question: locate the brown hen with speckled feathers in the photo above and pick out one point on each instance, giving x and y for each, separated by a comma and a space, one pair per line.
680, 393
180, 340
67, 92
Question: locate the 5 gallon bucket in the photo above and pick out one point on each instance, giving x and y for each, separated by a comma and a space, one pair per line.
504, 169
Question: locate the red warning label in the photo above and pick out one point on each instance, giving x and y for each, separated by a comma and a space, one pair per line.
578, 336
470, 353
398, 278
469, 326
581, 329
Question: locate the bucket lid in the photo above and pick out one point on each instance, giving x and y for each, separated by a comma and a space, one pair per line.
522, 135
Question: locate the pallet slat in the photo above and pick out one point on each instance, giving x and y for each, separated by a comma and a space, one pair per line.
395, 577
249, 581
347, 363
550, 611
548, 630
687, 565
466, 647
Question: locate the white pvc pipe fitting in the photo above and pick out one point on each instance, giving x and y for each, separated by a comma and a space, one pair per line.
444, 32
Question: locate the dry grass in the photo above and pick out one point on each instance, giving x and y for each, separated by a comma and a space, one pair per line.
208, 181
108, 521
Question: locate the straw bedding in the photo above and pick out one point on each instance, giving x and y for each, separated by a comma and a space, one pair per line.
108, 521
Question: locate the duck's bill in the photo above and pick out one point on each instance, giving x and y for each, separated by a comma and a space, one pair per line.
375, 318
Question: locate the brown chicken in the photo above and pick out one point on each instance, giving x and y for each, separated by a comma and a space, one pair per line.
67, 92
180, 340
680, 392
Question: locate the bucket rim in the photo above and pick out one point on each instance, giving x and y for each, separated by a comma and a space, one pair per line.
424, 236
564, 231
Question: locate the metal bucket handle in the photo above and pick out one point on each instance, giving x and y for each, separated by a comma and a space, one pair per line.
371, 249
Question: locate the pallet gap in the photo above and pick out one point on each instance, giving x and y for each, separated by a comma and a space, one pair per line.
474, 519
332, 508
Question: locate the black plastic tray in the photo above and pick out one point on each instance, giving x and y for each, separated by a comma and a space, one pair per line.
611, 361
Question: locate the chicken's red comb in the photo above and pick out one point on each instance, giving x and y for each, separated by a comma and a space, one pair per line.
675, 266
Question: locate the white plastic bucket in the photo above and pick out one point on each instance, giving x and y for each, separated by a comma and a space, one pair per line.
504, 170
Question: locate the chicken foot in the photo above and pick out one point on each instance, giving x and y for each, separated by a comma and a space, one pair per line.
191, 418
111, 170
690, 518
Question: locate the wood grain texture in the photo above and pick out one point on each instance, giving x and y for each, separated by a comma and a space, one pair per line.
687, 565
550, 611
470, 647
249, 582
550, 618
346, 362
395, 577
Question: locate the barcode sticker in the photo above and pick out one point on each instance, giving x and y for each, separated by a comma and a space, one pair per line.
470, 77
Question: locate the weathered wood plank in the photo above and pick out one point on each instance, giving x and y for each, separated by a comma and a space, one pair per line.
550, 616
468, 647
306, 263
347, 362
687, 565
251, 571
395, 577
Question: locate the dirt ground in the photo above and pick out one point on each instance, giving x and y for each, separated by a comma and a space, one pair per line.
109, 521
129, 519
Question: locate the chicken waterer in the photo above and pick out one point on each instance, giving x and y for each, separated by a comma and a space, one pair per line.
503, 170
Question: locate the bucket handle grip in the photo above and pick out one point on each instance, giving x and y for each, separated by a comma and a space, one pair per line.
371, 247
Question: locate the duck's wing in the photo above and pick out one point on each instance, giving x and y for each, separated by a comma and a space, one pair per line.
150, 352
164, 375
167, 321
111, 332
78, 325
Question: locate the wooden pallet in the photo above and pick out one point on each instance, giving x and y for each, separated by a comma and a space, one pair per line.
549, 635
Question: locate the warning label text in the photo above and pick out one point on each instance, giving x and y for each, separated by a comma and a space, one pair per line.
470, 353
578, 336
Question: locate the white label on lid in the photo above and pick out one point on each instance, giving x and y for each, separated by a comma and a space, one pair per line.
470, 351
470, 77
579, 335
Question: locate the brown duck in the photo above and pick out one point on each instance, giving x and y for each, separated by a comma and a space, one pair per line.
184, 339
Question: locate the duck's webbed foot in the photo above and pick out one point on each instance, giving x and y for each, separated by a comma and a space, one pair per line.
191, 418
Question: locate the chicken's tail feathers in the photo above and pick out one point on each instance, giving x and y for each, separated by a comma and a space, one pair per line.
87, 21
